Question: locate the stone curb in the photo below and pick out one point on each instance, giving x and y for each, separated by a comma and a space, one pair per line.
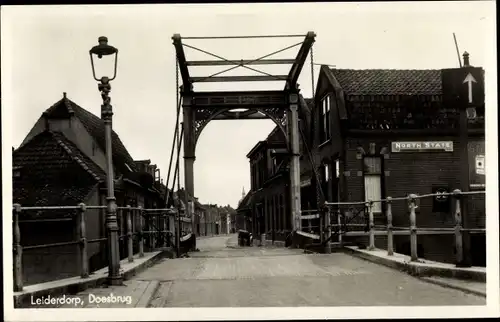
456, 287
93, 281
420, 269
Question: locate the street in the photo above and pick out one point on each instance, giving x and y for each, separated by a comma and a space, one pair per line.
225, 275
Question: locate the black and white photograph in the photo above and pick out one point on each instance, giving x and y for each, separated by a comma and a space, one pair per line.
250, 161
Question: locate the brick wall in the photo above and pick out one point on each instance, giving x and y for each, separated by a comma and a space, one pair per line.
415, 172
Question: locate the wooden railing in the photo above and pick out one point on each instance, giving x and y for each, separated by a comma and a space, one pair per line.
128, 214
343, 227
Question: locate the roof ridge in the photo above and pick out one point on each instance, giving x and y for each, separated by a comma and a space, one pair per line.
67, 104
57, 136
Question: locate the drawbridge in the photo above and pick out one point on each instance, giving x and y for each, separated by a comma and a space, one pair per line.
198, 108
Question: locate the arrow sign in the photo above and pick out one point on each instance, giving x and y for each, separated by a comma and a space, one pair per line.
469, 79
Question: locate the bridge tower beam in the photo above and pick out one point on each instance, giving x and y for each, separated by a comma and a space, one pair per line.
282, 107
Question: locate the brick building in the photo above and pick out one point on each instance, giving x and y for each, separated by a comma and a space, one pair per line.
267, 203
379, 133
61, 162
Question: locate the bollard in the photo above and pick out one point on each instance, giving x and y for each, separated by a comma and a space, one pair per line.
458, 227
81, 230
18, 251
339, 222
130, 240
371, 233
413, 227
141, 233
263, 239
390, 236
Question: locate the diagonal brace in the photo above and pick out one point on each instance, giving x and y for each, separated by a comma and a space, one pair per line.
294, 73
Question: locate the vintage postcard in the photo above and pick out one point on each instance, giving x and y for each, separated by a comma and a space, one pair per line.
250, 161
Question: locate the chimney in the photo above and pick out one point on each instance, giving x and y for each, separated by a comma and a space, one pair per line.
466, 59
64, 95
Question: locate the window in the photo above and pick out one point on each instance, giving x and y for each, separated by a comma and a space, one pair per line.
337, 169
327, 172
325, 118
372, 176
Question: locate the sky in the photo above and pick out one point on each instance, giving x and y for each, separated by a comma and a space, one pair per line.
45, 53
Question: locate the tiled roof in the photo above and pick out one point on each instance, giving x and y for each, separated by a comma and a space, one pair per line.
53, 172
389, 81
95, 126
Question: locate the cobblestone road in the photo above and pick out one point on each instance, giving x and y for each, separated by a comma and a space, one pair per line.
224, 275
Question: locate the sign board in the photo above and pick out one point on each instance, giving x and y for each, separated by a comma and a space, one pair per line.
464, 84
476, 165
425, 146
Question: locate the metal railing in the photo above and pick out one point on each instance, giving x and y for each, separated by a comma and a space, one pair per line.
128, 214
371, 229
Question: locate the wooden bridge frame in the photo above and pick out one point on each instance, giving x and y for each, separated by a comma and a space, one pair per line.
199, 108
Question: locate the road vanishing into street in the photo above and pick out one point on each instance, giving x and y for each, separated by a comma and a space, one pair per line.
225, 275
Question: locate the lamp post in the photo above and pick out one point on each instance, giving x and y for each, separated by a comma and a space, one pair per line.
104, 86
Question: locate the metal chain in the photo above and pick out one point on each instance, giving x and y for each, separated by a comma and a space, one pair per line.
177, 125
312, 71
176, 132
320, 196
176, 81
319, 190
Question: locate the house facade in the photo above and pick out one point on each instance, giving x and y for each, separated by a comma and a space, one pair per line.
393, 133
380, 133
61, 162
265, 208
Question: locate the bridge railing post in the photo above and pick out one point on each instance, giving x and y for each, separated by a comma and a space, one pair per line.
165, 229
130, 235
371, 245
339, 222
328, 229
321, 226
140, 231
413, 227
18, 250
390, 237
81, 230
458, 226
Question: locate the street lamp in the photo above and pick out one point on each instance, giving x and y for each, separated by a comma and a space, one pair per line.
105, 50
